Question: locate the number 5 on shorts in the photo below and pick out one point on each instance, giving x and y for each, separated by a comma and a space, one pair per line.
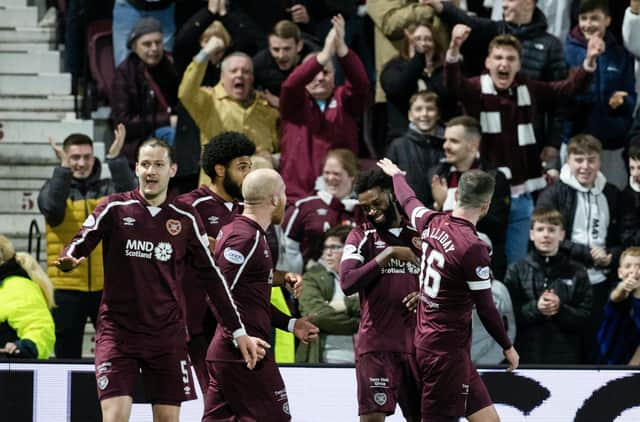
429, 276
185, 371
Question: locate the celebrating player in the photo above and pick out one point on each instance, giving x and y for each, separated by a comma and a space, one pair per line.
454, 275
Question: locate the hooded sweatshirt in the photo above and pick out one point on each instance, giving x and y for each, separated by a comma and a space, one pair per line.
591, 218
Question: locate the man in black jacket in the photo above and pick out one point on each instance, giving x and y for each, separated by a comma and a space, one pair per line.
542, 55
462, 141
551, 296
272, 66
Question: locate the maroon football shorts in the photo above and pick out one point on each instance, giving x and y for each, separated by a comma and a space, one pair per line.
238, 394
166, 375
451, 385
386, 379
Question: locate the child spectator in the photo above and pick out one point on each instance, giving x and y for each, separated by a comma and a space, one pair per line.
630, 201
551, 296
606, 109
619, 335
420, 148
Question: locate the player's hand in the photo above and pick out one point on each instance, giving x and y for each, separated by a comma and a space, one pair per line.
293, 282
248, 347
513, 358
263, 346
617, 99
329, 48
68, 263
119, 134
404, 253
439, 189
59, 152
10, 348
389, 167
304, 330
214, 44
411, 301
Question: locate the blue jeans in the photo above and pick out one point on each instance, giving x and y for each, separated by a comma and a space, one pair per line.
125, 16
517, 241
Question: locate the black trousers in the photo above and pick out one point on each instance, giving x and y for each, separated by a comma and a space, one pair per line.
70, 316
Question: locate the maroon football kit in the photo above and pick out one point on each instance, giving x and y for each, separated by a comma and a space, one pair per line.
385, 358
214, 213
235, 392
141, 322
454, 275
306, 221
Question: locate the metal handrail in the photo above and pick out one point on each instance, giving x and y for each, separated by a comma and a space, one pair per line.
33, 227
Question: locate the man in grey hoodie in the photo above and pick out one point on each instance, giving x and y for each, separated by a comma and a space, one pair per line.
588, 205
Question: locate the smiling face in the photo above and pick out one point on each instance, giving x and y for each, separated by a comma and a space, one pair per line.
424, 114
149, 48
237, 77
457, 148
285, 51
154, 170
336, 179
503, 63
323, 84
593, 23
546, 237
81, 160
376, 204
584, 167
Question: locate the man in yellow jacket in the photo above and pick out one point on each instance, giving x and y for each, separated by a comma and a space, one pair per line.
232, 105
66, 200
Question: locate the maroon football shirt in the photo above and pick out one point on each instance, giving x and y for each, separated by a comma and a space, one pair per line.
454, 274
307, 221
385, 322
144, 250
214, 213
244, 258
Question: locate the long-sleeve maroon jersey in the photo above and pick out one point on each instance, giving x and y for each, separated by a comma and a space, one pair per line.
215, 213
144, 252
244, 258
385, 323
454, 274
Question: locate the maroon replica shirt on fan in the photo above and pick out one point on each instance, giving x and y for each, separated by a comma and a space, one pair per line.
385, 322
215, 213
454, 274
144, 251
244, 258
310, 217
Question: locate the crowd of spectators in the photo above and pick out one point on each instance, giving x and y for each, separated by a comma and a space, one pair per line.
548, 108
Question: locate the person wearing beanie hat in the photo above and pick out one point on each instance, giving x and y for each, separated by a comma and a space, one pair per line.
145, 88
126, 13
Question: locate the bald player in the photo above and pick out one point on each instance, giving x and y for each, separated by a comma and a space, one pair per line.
236, 392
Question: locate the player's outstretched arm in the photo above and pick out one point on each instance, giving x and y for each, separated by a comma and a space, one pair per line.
67, 263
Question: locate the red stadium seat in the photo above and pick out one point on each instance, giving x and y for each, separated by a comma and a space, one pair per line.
100, 54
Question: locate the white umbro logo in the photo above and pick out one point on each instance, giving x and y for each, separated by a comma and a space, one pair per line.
128, 221
380, 244
322, 211
213, 219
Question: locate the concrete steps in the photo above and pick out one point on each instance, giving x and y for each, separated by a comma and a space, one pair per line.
42, 103
35, 85
23, 62
39, 131
19, 16
30, 154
